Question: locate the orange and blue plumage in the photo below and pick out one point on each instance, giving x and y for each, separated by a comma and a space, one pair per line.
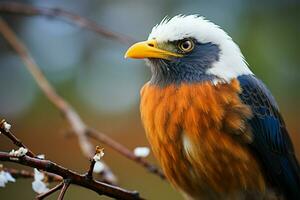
213, 126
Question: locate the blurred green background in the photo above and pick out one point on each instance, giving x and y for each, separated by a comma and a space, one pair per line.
91, 73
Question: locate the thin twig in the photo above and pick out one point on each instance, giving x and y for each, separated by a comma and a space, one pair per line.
66, 175
15, 140
28, 174
96, 135
52, 190
64, 189
29, 10
91, 169
72, 117
77, 179
98, 154
79, 127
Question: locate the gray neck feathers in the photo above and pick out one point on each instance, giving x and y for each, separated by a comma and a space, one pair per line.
190, 68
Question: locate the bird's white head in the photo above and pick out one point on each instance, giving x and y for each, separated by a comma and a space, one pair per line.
214, 45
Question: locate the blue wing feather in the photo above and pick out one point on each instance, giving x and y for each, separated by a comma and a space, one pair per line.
271, 144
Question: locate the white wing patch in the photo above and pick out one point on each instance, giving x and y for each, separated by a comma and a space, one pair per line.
187, 145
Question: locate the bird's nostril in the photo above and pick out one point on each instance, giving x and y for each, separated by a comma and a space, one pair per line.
150, 45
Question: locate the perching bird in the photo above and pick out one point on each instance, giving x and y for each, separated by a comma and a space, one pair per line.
212, 124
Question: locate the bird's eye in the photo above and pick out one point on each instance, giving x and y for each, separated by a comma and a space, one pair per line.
186, 45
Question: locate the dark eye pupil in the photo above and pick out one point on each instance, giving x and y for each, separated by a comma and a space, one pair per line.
186, 45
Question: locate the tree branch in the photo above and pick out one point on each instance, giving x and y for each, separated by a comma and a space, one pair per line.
96, 135
15, 140
25, 9
66, 184
89, 174
68, 176
91, 169
27, 174
77, 179
51, 191
78, 126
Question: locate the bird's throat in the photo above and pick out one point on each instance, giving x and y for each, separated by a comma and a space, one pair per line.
166, 73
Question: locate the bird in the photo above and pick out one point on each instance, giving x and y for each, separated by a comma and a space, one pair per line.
212, 124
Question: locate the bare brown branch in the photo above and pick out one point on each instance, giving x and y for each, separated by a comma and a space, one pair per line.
29, 10
72, 117
15, 140
67, 176
91, 169
77, 179
29, 174
51, 191
78, 126
96, 135
92, 164
64, 189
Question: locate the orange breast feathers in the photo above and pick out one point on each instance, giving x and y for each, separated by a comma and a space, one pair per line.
198, 134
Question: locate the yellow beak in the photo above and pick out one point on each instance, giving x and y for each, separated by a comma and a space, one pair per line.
148, 49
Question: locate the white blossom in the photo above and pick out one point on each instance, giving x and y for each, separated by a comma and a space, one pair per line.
111, 177
98, 155
5, 177
41, 156
6, 126
108, 175
18, 153
38, 175
141, 151
38, 185
99, 167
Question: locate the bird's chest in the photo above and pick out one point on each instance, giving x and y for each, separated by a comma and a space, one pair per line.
192, 130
